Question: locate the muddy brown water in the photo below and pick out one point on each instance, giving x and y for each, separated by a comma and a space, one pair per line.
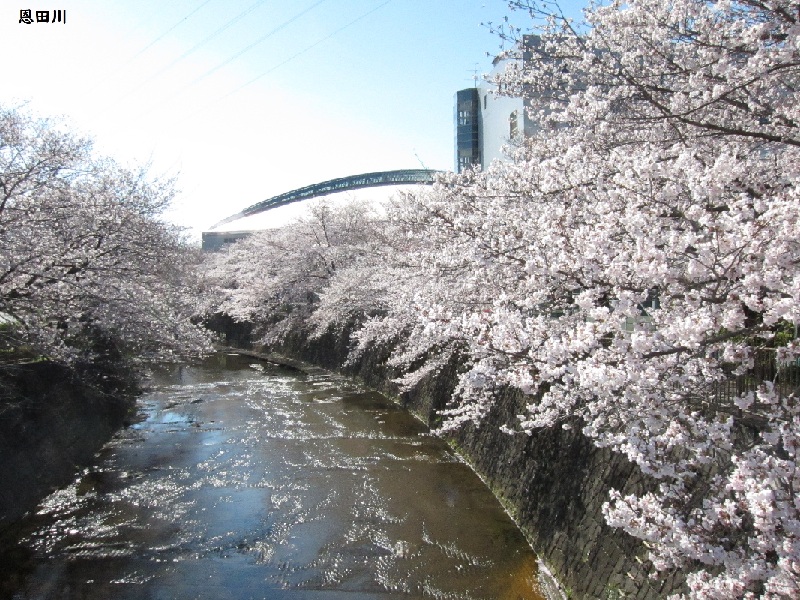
245, 480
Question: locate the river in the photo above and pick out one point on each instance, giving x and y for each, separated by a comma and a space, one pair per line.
246, 480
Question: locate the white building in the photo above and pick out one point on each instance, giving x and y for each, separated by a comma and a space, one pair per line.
486, 121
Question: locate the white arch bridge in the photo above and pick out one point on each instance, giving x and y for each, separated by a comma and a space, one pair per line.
214, 239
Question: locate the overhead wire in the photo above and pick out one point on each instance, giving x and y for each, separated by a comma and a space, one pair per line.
104, 78
200, 44
234, 56
270, 70
168, 31
311, 47
255, 43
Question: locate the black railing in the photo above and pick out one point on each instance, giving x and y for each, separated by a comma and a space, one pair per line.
785, 378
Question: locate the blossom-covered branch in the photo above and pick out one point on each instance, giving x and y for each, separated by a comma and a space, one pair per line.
85, 262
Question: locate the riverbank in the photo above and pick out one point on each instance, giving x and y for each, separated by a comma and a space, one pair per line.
248, 480
52, 422
553, 483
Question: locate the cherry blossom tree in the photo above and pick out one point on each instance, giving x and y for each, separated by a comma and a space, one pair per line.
274, 278
637, 256
86, 266
632, 267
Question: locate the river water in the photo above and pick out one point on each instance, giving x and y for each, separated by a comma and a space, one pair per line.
245, 480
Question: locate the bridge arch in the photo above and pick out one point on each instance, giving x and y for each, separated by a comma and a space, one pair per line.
342, 184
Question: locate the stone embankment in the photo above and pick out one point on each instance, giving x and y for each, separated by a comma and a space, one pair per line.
553, 483
52, 422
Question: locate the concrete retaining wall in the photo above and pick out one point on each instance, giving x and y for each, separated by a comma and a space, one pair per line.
51, 424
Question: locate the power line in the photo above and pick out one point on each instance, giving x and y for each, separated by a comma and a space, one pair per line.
314, 45
258, 41
104, 78
235, 56
254, 44
168, 31
201, 43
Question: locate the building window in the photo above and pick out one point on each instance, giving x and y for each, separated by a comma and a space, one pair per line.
466, 112
465, 162
467, 118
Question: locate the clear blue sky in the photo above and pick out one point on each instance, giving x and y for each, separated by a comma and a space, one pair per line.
245, 99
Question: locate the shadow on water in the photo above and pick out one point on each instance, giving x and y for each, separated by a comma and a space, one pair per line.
245, 480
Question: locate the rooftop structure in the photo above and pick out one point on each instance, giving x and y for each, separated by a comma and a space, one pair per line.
486, 121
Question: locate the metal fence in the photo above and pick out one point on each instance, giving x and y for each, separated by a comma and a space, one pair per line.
785, 377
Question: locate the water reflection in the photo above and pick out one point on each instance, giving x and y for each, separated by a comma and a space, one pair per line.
245, 480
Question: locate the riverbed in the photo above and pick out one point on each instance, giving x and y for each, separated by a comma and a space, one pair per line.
247, 480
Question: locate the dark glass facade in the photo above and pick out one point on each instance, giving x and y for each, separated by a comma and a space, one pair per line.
467, 127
